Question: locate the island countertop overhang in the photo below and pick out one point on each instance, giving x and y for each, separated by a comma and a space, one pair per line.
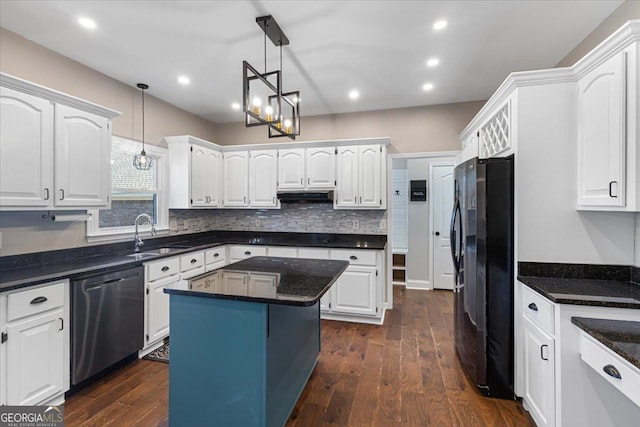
271, 280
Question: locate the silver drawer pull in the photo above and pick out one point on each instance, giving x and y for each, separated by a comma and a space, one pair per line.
533, 306
612, 371
247, 253
193, 261
353, 257
38, 300
165, 268
216, 255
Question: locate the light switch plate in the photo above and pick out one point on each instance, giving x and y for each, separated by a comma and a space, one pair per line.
356, 224
383, 224
173, 225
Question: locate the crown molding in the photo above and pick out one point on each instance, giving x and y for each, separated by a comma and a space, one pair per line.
12, 82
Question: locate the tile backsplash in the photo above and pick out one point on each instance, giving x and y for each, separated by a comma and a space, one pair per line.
292, 217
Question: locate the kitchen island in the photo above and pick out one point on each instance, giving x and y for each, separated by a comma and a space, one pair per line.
245, 339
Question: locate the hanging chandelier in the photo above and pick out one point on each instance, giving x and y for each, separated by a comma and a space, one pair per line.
142, 161
264, 102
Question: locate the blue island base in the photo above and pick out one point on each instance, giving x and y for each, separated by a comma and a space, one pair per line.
238, 363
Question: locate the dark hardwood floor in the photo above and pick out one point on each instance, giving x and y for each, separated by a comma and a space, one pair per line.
402, 373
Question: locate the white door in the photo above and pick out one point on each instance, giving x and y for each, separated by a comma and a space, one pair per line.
82, 158
158, 310
601, 135
355, 291
199, 174
539, 374
291, 169
26, 150
441, 207
321, 163
35, 365
262, 178
235, 283
369, 176
236, 178
214, 177
347, 177
263, 285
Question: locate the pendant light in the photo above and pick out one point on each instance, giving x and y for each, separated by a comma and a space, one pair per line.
142, 161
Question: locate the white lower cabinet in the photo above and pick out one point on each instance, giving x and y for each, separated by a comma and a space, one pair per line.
355, 292
34, 354
539, 371
157, 276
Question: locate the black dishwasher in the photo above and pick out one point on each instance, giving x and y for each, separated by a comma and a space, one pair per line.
107, 320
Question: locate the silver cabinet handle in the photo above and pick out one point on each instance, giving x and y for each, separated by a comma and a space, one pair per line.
38, 300
533, 306
353, 257
165, 268
245, 199
301, 181
308, 180
610, 190
542, 352
274, 200
61, 194
46, 190
247, 252
193, 261
216, 255
355, 200
360, 199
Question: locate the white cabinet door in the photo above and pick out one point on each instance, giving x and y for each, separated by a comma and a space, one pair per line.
347, 177
205, 177
262, 178
321, 168
601, 135
157, 310
325, 301
26, 150
369, 176
291, 169
355, 292
35, 353
236, 178
539, 372
82, 158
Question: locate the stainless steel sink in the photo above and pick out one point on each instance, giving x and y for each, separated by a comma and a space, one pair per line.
143, 255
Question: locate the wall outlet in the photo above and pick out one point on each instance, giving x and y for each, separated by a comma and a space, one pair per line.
173, 225
257, 222
185, 224
383, 224
355, 224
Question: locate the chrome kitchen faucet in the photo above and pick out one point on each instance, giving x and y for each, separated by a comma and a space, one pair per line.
136, 238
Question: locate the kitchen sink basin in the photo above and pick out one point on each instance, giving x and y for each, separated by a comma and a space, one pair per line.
142, 255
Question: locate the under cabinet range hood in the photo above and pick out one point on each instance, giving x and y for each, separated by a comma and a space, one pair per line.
306, 197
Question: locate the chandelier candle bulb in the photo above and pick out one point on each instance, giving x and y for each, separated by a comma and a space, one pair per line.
287, 126
257, 102
268, 110
279, 124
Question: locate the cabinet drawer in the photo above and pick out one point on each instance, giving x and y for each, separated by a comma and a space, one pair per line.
192, 273
355, 257
283, 251
241, 252
313, 253
162, 268
191, 261
215, 255
539, 309
34, 301
597, 356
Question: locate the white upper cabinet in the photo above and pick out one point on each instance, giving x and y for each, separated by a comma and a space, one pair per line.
82, 158
291, 174
205, 177
262, 178
321, 164
361, 177
54, 149
236, 179
26, 149
601, 135
306, 168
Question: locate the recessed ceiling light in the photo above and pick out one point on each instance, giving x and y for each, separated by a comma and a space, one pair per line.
438, 25
87, 23
184, 80
354, 94
432, 62
235, 106
427, 87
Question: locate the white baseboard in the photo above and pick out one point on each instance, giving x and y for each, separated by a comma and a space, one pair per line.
418, 284
354, 319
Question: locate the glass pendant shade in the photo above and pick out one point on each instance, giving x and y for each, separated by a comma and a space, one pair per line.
142, 161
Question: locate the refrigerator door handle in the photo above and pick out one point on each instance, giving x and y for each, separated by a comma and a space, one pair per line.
452, 235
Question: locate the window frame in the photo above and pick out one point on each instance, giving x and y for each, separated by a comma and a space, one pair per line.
161, 164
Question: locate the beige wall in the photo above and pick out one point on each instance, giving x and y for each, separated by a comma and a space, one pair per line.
30, 61
627, 11
412, 130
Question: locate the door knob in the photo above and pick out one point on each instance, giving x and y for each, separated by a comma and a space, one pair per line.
437, 233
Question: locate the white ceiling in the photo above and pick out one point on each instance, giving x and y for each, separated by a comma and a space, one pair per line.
378, 47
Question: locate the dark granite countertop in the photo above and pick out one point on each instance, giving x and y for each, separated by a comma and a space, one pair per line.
20, 271
596, 292
621, 336
272, 280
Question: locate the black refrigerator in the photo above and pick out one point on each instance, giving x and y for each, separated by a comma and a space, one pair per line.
482, 250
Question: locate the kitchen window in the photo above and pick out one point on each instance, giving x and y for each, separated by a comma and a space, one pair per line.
133, 192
